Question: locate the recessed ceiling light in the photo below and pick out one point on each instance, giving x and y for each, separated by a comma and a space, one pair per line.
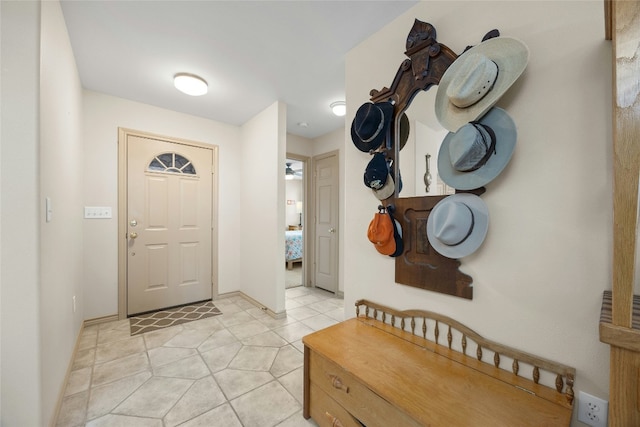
190, 84
339, 108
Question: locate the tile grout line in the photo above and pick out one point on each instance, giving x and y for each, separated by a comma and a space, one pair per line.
243, 308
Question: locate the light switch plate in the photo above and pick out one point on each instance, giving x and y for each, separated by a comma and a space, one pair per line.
48, 209
97, 212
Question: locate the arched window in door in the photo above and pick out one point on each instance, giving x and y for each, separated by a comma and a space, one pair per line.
171, 163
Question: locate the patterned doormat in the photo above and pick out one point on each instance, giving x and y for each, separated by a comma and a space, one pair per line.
171, 317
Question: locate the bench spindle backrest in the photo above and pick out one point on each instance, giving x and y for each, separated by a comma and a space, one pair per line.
457, 345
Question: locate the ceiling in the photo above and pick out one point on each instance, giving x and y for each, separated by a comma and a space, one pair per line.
251, 53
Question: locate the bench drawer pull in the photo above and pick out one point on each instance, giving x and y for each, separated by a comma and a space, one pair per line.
333, 420
336, 382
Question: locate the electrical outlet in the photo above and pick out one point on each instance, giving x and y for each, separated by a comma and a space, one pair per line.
592, 411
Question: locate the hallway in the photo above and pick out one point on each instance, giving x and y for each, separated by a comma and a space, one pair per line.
240, 368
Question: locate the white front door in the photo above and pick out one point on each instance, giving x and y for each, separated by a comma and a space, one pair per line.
169, 208
326, 223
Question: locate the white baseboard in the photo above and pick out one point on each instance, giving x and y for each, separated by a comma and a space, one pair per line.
99, 320
262, 307
56, 412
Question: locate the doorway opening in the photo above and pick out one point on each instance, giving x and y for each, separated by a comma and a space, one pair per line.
295, 241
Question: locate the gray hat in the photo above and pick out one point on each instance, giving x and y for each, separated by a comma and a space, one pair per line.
475, 81
457, 225
474, 155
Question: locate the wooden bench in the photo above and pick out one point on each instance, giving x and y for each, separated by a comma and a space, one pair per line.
413, 368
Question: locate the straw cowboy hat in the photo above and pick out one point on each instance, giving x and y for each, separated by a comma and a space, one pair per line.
478, 152
458, 225
475, 81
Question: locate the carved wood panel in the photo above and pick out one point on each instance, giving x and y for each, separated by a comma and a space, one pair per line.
420, 265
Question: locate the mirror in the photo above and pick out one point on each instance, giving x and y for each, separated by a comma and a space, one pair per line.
413, 90
419, 157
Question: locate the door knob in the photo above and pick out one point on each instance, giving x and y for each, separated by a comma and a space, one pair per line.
332, 230
133, 235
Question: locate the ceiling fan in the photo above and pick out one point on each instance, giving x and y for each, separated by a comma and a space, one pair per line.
290, 173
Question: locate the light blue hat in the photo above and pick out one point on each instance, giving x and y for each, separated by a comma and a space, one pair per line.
478, 152
458, 225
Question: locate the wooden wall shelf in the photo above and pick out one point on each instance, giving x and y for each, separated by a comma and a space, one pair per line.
619, 336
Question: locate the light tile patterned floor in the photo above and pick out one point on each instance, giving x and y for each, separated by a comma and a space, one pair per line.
241, 368
293, 277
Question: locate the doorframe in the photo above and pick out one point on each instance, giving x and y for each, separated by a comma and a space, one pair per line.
123, 144
312, 225
306, 185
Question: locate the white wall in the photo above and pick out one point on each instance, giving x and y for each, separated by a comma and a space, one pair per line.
330, 141
263, 205
103, 115
299, 145
19, 209
539, 276
61, 168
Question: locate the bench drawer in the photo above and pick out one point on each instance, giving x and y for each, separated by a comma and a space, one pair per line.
327, 412
365, 405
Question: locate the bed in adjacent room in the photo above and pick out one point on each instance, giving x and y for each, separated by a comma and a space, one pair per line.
293, 247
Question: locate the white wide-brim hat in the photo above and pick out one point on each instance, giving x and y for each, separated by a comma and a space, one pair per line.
505, 133
510, 55
458, 225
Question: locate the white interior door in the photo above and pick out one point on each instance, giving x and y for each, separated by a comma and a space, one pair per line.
169, 207
326, 223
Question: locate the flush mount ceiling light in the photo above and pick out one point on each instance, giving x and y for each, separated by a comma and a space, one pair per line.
339, 108
190, 84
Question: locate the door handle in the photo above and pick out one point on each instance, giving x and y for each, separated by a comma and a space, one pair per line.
133, 235
332, 230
